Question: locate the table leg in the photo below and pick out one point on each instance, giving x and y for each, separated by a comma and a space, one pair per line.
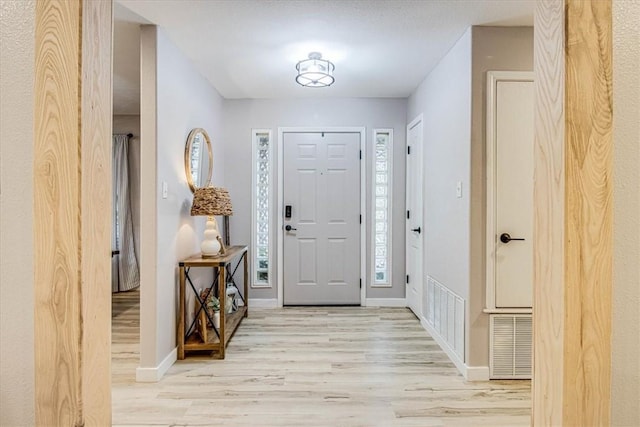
181, 317
246, 284
222, 297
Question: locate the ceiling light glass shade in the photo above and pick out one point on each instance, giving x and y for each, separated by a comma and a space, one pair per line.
315, 71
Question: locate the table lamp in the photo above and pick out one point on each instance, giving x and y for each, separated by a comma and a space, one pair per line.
209, 202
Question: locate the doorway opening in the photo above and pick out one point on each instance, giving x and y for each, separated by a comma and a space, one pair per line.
125, 301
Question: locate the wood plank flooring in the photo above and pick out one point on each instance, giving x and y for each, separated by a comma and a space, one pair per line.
311, 367
125, 339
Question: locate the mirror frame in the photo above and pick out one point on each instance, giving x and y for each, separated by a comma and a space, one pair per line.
187, 152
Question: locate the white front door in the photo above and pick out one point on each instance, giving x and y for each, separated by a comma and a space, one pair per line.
322, 218
414, 229
511, 239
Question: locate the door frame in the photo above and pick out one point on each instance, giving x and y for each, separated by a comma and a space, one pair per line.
554, 400
72, 117
280, 210
493, 77
418, 119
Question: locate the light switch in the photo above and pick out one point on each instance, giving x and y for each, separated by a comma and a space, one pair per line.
459, 190
165, 190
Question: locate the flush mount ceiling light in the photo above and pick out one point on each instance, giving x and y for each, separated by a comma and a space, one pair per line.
315, 71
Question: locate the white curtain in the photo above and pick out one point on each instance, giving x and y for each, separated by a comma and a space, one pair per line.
124, 261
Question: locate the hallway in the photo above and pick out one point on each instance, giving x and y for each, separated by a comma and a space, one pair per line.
344, 366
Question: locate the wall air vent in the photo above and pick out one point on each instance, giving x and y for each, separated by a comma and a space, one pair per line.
511, 346
444, 312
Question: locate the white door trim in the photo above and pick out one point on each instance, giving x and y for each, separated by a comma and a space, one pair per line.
493, 77
363, 175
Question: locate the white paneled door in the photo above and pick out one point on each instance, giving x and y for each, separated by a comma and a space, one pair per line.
414, 228
322, 218
510, 228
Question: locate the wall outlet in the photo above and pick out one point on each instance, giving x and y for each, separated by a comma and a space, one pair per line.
459, 190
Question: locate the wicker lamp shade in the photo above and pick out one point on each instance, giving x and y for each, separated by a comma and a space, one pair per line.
224, 201
211, 201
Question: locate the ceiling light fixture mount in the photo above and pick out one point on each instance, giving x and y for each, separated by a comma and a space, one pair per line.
315, 71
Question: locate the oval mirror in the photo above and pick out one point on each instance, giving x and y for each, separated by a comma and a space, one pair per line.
198, 159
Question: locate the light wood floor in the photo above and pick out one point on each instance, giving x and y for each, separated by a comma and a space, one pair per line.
311, 367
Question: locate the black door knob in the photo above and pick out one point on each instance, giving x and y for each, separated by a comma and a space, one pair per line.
506, 238
289, 228
417, 230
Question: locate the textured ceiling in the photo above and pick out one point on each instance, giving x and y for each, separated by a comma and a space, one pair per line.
381, 48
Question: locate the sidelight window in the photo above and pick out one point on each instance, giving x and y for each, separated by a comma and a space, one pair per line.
262, 208
382, 205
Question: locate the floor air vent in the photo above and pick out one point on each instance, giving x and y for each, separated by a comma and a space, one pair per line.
511, 346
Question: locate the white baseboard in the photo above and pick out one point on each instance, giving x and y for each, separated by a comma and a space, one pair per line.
263, 303
470, 373
444, 346
153, 375
476, 373
385, 302
369, 302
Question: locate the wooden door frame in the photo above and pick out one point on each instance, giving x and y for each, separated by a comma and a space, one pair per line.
573, 212
72, 192
280, 208
573, 254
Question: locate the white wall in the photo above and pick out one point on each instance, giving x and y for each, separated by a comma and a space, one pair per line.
243, 115
625, 344
452, 99
175, 99
444, 99
124, 124
16, 207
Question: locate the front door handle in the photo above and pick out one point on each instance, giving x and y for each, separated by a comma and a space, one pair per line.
289, 228
505, 238
417, 230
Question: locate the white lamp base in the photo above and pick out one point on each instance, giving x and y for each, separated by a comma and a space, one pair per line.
210, 246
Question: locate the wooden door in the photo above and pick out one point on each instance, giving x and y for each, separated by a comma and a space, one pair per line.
510, 201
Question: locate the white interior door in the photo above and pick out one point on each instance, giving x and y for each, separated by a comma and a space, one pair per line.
322, 232
414, 231
513, 190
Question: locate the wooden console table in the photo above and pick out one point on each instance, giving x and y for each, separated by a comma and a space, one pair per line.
213, 339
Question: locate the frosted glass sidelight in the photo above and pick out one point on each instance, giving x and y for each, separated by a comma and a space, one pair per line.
382, 207
261, 232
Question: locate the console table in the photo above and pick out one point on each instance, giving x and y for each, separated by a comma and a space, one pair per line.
207, 338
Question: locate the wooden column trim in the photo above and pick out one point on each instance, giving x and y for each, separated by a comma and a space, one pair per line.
588, 212
548, 194
96, 130
72, 191
573, 214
